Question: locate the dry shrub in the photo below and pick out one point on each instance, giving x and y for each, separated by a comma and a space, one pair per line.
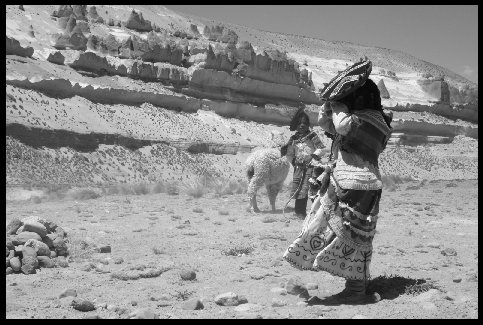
84, 193
35, 199
158, 187
223, 186
172, 188
78, 248
237, 250
391, 182
141, 188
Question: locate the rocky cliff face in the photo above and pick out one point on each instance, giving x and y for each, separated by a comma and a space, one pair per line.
117, 56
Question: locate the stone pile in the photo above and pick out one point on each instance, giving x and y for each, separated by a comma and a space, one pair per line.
33, 243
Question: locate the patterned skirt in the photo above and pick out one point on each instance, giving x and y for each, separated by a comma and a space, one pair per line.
337, 234
300, 183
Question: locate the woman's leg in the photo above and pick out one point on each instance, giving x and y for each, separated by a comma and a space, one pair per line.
301, 206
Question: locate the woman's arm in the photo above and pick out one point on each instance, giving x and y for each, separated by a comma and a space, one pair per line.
342, 119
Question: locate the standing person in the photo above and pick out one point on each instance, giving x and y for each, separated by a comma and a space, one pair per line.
301, 148
338, 237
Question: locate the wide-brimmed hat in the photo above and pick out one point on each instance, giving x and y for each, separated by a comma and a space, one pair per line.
347, 81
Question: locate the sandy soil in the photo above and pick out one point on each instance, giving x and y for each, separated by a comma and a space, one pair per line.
166, 230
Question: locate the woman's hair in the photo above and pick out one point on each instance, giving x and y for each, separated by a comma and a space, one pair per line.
296, 118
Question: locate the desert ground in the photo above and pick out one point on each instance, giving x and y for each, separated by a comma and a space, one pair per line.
231, 250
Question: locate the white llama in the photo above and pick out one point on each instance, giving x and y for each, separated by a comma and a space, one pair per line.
265, 166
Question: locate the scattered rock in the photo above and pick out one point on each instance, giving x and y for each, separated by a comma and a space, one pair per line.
278, 303
302, 304
360, 316
82, 304
276, 262
164, 303
192, 304
425, 296
40, 247
434, 245
457, 279
249, 308
15, 264
428, 306
143, 313
68, 293
9, 270
53, 254
29, 264
227, 299
111, 307
249, 316
22, 237
294, 285
92, 317
105, 249
13, 226
187, 274
134, 303
101, 306
118, 260
164, 297
279, 291
449, 252
45, 262
60, 232
450, 296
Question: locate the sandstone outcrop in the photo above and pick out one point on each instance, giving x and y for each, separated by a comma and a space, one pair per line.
137, 22
219, 33
208, 83
94, 16
382, 89
436, 88
13, 47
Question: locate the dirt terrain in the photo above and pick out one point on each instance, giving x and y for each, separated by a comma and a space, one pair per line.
180, 232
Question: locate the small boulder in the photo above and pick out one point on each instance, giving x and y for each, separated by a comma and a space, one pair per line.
105, 249
278, 303
82, 304
53, 254
15, 264
279, 291
10, 244
187, 274
294, 285
47, 241
60, 232
449, 252
8, 263
45, 262
28, 251
434, 245
29, 264
34, 226
227, 299
143, 313
22, 237
40, 247
457, 279
13, 226
9, 270
192, 304
60, 246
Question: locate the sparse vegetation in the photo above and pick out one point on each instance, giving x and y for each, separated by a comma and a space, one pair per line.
237, 250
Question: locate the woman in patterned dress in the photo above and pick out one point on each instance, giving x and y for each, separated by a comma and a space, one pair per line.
337, 234
301, 149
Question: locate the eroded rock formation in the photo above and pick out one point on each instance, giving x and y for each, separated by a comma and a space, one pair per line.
13, 47
137, 22
383, 90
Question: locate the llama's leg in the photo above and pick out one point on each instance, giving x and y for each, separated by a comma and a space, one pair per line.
272, 191
253, 187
